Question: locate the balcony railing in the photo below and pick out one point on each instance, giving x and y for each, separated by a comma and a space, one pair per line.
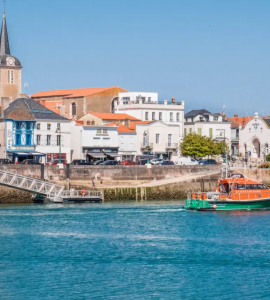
145, 146
235, 139
172, 146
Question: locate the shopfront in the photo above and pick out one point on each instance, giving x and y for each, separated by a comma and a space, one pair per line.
55, 156
94, 154
17, 157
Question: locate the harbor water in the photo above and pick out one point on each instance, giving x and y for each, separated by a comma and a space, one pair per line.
132, 251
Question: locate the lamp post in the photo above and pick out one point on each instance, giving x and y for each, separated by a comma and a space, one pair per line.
146, 141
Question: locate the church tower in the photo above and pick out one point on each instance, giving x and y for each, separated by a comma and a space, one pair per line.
10, 70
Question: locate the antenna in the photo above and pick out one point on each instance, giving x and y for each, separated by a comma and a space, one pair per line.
4, 6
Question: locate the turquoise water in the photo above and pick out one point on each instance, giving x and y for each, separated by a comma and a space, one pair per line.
132, 251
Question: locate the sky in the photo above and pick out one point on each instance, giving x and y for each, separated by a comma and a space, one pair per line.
208, 53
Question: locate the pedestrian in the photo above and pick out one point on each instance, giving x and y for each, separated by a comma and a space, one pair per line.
93, 183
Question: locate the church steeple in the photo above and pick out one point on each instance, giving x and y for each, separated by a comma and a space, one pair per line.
4, 43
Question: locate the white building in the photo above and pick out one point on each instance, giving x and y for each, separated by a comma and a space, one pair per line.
94, 142
145, 106
254, 138
28, 130
203, 122
161, 139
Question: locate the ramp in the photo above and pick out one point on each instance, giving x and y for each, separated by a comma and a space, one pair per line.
35, 186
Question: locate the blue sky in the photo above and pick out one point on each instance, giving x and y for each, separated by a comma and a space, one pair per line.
208, 53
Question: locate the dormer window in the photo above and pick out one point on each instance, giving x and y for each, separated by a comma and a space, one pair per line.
215, 118
201, 119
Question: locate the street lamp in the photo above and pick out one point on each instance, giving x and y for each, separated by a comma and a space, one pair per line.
58, 130
146, 139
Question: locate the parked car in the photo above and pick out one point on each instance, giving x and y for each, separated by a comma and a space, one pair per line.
142, 162
186, 161
98, 162
30, 162
56, 162
109, 163
5, 161
127, 162
207, 162
166, 162
156, 161
81, 162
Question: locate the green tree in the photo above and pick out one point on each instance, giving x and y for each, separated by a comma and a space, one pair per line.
195, 145
268, 157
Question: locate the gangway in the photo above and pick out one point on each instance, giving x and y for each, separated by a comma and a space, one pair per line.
32, 185
46, 190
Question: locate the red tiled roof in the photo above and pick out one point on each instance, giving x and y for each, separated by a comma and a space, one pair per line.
133, 124
73, 93
111, 116
236, 121
121, 128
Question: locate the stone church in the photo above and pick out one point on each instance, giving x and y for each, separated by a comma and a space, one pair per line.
10, 70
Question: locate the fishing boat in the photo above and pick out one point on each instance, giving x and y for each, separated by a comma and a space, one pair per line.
235, 192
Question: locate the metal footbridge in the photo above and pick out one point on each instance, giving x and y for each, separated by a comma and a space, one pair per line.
50, 191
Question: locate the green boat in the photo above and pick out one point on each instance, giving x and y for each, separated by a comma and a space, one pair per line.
234, 193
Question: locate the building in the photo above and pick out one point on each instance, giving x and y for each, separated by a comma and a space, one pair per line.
95, 118
94, 142
75, 103
159, 138
30, 130
10, 70
145, 106
203, 122
254, 138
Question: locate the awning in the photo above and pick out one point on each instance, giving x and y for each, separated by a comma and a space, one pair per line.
96, 155
113, 154
33, 153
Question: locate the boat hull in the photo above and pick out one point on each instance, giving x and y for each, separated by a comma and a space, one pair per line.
211, 205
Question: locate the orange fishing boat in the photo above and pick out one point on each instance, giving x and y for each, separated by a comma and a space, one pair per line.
235, 192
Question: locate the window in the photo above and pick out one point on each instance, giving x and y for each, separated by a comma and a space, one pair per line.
73, 109
58, 140
105, 131
211, 132
177, 117
160, 116
145, 140
157, 138
146, 115
98, 131
18, 139
153, 116
192, 119
171, 116
58, 126
201, 119
215, 118
199, 131
149, 99
88, 123
38, 126
48, 140
28, 139
38, 139
48, 126
185, 131
169, 140
190, 130
126, 100
10, 76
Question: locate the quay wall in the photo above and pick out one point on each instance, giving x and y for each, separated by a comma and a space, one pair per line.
126, 173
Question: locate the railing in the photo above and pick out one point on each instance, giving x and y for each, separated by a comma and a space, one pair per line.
29, 184
172, 146
81, 194
234, 139
144, 146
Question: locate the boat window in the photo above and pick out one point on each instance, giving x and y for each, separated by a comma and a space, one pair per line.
223, 187
250, 187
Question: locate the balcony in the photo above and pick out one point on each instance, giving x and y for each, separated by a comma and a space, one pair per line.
172, 146
235, 139
146, 146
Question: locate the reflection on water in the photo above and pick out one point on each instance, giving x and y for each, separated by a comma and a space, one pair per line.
132, 250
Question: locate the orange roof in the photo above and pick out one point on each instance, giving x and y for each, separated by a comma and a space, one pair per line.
121, 128
111, 116
73, 93
236, 121
133, 124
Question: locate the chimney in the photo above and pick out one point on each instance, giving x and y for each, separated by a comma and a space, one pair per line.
173, 100
118, 123
127, 123
235, 116
165, 102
